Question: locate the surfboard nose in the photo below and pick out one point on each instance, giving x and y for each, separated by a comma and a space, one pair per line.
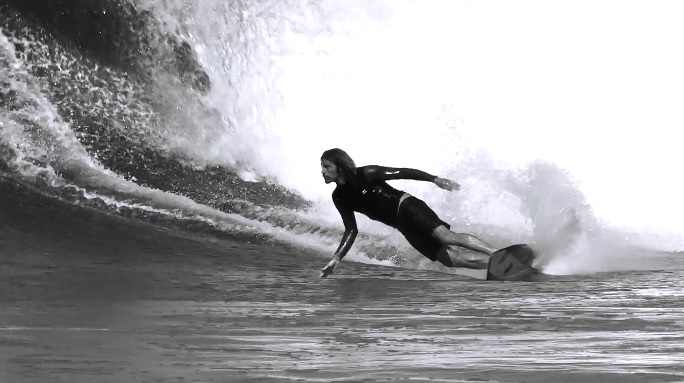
513, 263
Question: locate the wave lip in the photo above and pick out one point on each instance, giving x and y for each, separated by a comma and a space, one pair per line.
117, 34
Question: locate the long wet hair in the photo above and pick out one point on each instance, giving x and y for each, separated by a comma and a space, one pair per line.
343, 162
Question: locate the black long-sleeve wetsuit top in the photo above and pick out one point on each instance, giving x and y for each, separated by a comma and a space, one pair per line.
374, 198
369, 194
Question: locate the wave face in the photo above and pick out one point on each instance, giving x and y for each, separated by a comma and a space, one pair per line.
213, 115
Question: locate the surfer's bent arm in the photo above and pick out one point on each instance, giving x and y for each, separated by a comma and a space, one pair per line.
346, 244
375, 172
350, 230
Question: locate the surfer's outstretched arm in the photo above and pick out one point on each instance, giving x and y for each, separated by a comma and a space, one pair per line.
375, 172
350, 232
347, 242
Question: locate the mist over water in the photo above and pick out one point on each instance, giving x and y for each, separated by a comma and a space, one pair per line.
497, 106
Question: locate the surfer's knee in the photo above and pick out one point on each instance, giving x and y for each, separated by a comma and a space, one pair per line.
444, 235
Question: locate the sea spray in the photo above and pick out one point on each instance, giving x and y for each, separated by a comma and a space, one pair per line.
297, 78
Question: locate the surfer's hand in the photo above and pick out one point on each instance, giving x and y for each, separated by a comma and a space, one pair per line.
446, 184
330, 267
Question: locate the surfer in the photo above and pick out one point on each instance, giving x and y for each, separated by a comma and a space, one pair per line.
364, 190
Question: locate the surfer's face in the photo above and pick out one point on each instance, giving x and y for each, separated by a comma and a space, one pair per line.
329, 171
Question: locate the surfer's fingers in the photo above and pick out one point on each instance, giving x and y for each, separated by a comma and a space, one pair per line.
449, 185
443, 183
326, 272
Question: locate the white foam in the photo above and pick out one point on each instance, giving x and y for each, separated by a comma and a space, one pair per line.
550, 143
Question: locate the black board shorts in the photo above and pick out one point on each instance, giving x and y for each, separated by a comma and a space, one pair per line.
416, 221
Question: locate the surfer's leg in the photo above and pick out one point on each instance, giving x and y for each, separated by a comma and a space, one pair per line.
431, 236
448, 237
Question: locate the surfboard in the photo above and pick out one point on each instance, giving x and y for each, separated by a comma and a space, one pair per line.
513, 263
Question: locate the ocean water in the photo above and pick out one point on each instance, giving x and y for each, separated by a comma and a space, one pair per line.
163, 217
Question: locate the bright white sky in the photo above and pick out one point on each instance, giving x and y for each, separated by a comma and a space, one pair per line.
594, 86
